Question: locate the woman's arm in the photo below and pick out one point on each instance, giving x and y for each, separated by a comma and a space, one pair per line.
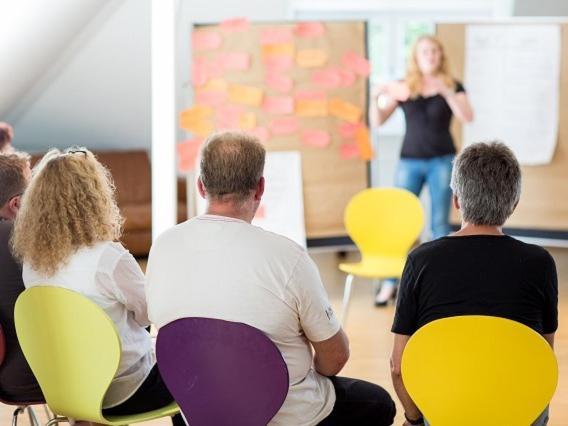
379, 115
460, 106
411, 411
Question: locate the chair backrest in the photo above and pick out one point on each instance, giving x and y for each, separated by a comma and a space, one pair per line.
72, 347
222, 373
384, 221
479, 370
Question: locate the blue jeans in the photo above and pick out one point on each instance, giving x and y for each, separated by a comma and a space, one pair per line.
413, 173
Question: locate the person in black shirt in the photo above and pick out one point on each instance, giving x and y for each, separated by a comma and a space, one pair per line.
429, 97
17, 382
477, 270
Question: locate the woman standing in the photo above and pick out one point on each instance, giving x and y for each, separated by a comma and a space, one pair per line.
429, 96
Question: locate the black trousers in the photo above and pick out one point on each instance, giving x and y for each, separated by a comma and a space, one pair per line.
360, 403
151, 395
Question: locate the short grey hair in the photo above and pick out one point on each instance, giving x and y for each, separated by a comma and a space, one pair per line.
232, 164
486, 179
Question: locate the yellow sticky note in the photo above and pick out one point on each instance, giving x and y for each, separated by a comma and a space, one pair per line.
310, 108
311, 58
246, 95
344, 110
278, 49
215, 85
363, 140
247, 121
197, 120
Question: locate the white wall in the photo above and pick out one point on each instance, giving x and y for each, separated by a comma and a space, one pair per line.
97, 91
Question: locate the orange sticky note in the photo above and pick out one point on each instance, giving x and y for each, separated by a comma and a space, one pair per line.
344, 110
247, 121
316, 138
246, 95
310, 104
261, 133
328, 78
216, 85
309, 29
235, 24
279, 82
349, 151
276, 35
197, 120
278, 49
311, 58
363, 141
205, 40
187, 152
278, 104
235, 61
284, 126
356, 63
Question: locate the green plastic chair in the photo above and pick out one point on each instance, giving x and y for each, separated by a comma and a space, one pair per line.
74, 350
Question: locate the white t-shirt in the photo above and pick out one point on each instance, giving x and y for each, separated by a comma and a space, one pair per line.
224, 268
108, 275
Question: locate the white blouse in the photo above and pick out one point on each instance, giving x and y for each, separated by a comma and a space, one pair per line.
109, 275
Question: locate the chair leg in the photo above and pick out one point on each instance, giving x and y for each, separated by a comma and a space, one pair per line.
32, 416
48, 414
346, 297
57, 420
17, 411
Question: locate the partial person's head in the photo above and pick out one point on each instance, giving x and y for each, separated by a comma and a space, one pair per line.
6, 136
15, 174
232, 164
69, 204
486, 182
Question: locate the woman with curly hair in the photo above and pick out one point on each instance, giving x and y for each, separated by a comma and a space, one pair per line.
66, 234
429, 96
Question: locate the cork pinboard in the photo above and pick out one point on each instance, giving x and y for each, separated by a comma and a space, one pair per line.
332, 173
543, 208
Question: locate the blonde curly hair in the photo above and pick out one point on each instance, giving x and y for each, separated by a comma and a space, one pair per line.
414, 75
69, 204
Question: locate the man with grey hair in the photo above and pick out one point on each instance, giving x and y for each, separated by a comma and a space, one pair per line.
220, 266
477, 270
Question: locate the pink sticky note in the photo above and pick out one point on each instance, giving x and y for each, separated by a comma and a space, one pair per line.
309, 29
347, 130
261, 133
235, 25
284, 126
329, 78
187, 152
275, 35
227, 116
279, 82
278, 104
199, 72
205, 40
274, 63
210, 98
356, 63
316, 138
347, 78
349, 151
310, 95
235, 61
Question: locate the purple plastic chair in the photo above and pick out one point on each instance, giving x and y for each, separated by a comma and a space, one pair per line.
222, 373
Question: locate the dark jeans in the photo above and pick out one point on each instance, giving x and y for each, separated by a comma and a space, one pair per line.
360, 403
151, 395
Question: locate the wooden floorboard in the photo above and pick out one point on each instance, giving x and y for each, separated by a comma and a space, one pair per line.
368, 330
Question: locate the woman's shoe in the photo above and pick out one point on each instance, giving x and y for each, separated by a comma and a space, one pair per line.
386, 293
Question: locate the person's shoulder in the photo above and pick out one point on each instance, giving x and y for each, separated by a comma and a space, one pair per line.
458, 86
428, 248
277, 241
532, 251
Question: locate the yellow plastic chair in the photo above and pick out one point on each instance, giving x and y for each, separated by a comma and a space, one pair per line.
479, 370
74, 350
383, 223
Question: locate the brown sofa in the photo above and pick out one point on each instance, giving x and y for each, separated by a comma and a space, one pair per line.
131, 172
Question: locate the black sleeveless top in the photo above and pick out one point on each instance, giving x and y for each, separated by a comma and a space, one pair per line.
428, 126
